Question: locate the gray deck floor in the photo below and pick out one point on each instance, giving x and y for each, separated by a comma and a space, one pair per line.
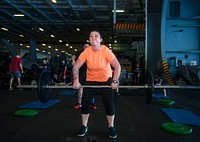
136, 121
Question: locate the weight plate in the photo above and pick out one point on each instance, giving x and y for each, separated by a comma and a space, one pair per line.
44, 80
26, 112
165, 101
177, 128
150, 82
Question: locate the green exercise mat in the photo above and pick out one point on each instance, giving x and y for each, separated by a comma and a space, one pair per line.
26, 112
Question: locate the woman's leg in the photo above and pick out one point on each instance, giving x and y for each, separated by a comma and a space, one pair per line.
110, 120
108, 100
86, 102
80, 92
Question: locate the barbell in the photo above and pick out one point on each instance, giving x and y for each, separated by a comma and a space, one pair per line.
45, 84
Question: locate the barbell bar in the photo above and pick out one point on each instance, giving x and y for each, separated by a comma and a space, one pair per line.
107, 86
45, 85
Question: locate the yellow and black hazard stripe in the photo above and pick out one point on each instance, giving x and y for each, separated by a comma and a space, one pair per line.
167, 73
127, 26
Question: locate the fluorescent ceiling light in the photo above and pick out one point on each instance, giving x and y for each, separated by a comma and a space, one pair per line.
19, 15
21, 35
78, 29
54, 1
118, 11
41, 29
52, 35
5, 29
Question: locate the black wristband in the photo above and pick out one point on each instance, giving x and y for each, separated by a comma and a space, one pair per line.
115, 81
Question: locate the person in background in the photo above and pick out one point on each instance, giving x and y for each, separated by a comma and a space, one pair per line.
159, 82
82, 79
99, 60
15, 70
62, 71
44, 65
136, 72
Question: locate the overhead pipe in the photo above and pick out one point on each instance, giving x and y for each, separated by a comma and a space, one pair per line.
10, 47
23, 12
114, 15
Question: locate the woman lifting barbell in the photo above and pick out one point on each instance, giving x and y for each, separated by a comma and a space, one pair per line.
98, 58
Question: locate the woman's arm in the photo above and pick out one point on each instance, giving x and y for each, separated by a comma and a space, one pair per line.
116, 73
117, 69
75, 72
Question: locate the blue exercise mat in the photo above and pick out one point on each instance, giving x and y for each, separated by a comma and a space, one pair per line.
182, 116
68, 92
38, 104
160, 96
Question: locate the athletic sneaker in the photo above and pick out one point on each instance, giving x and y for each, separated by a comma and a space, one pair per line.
112, 133
93, 106
117, 93
10, 88
77, 105
82, 132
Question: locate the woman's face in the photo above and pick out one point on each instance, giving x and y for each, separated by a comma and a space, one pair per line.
95, 38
